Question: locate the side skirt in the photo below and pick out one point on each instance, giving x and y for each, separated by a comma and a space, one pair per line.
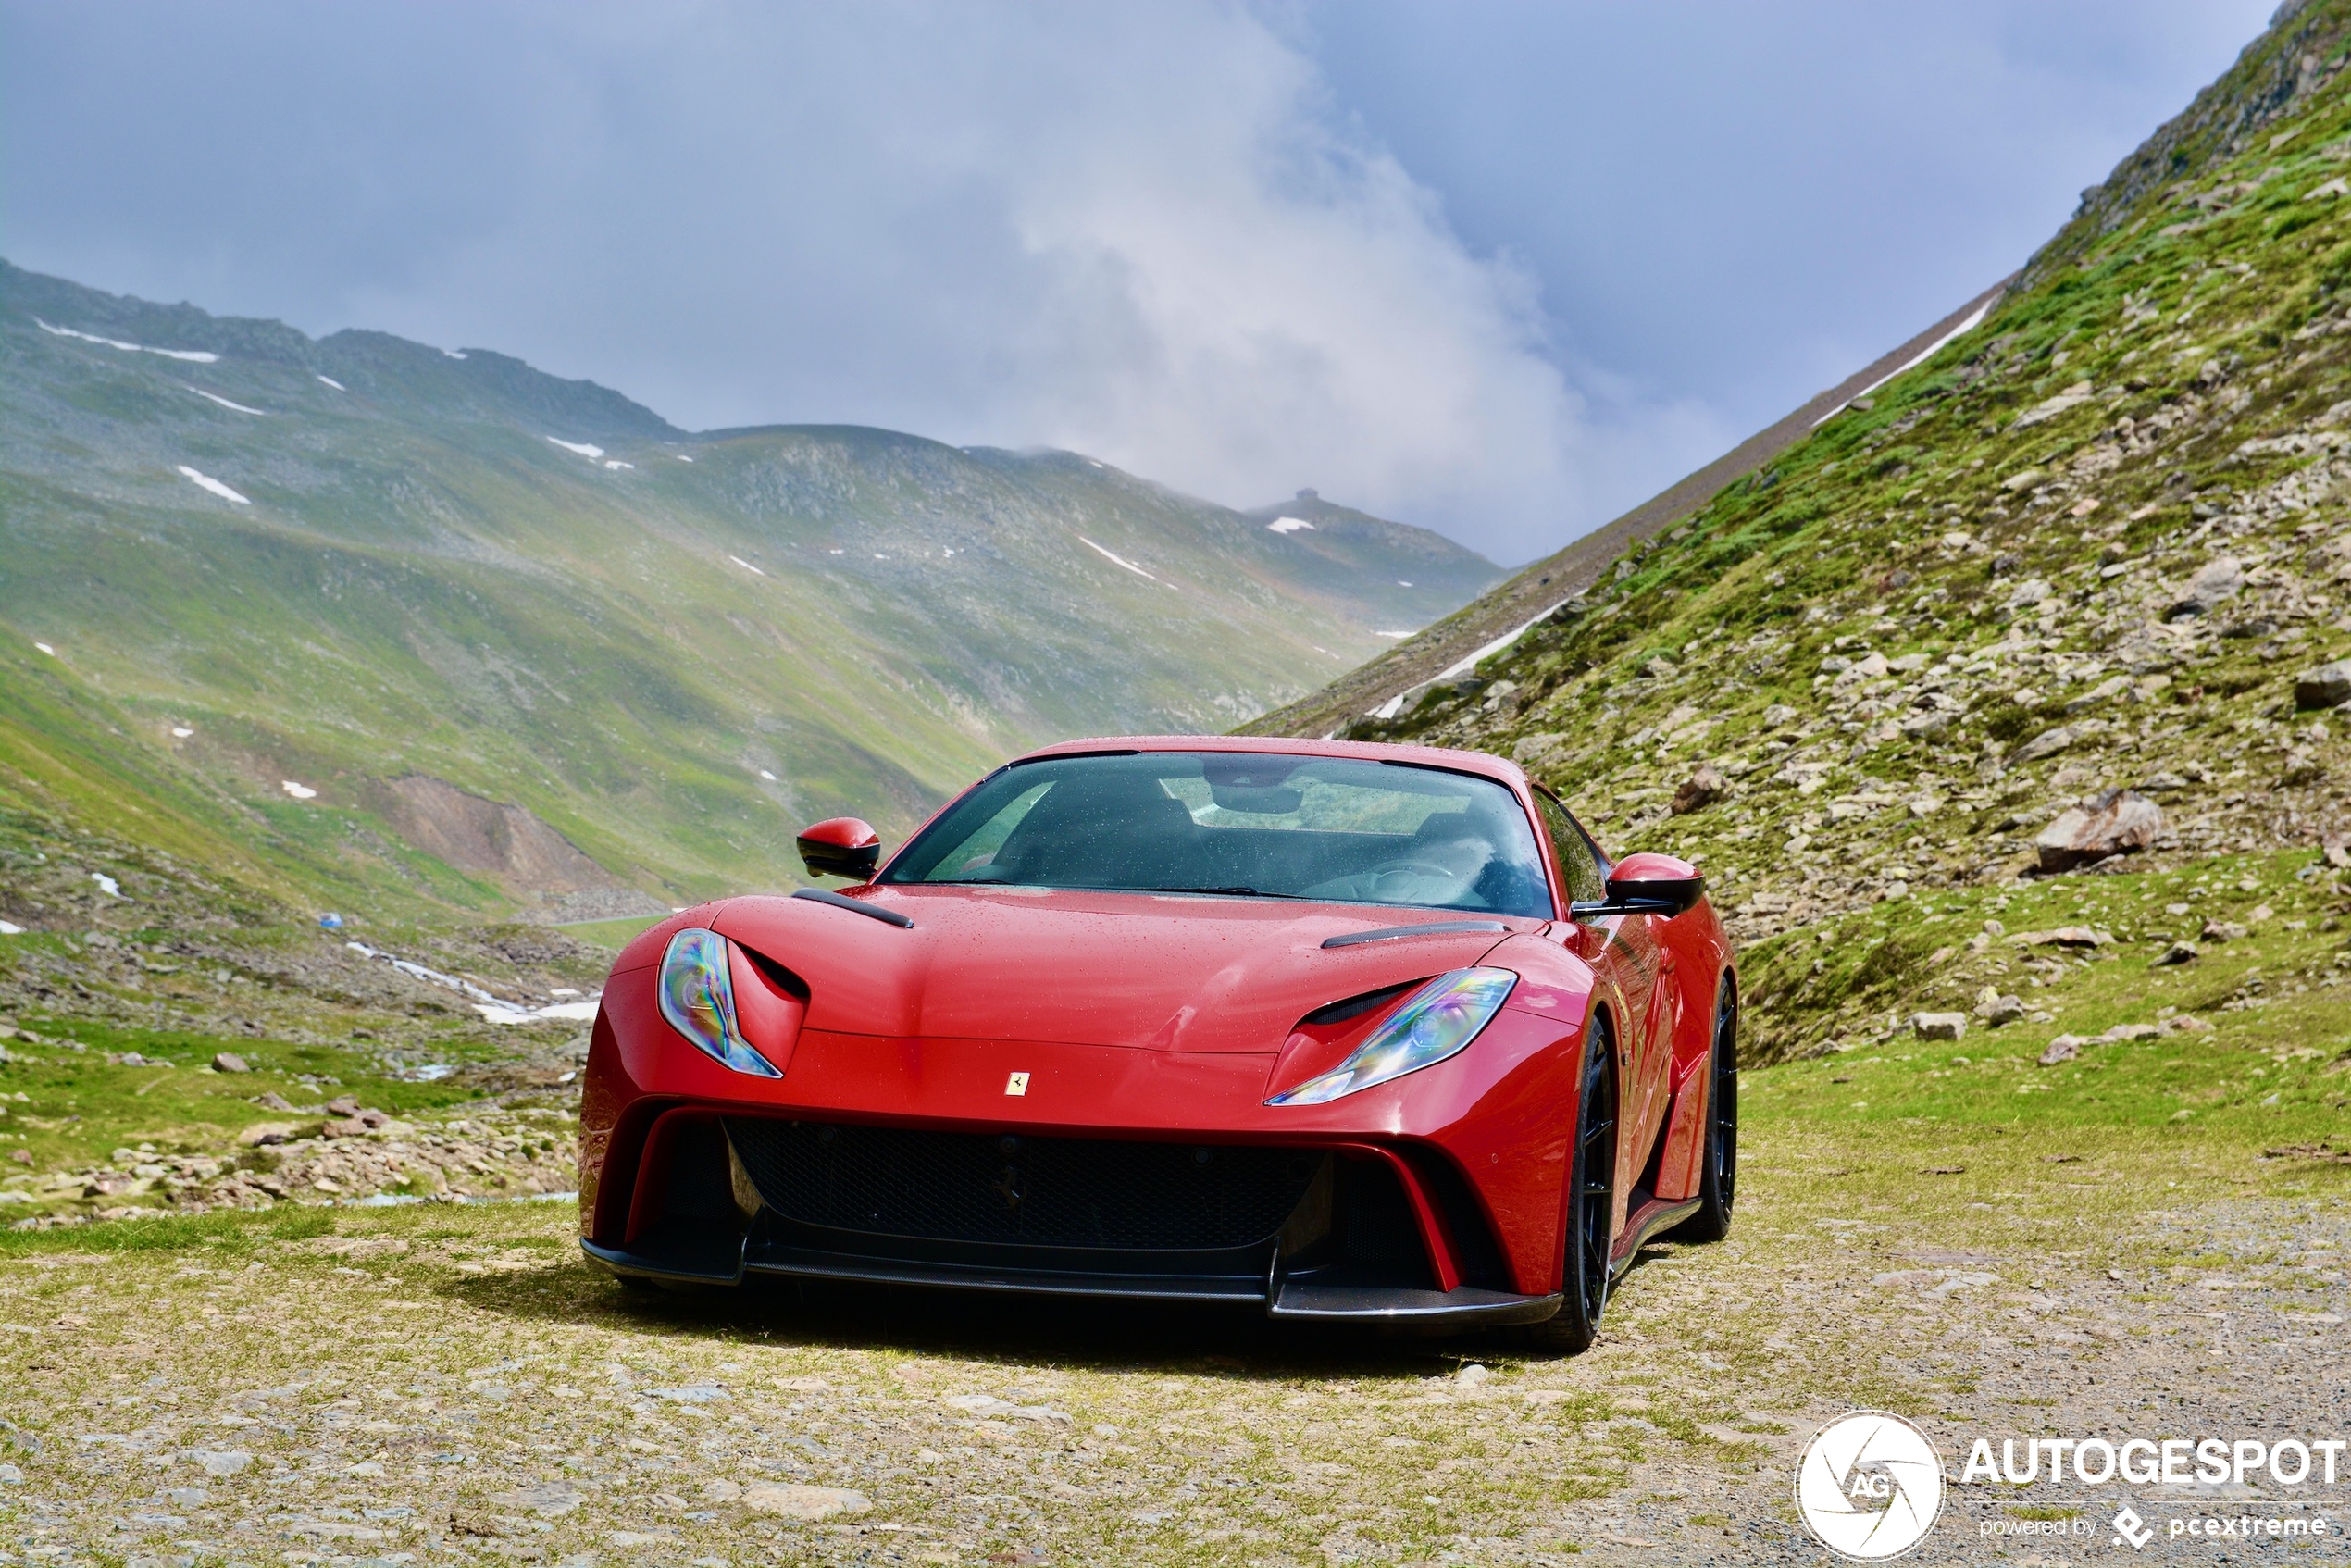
1464, 1306
1651, 1216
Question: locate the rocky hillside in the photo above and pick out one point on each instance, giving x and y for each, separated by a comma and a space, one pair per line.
362, 624
2100, 543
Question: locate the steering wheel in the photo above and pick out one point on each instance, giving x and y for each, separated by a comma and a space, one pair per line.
1420, 868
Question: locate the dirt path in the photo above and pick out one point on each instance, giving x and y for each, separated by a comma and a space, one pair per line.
453, 1383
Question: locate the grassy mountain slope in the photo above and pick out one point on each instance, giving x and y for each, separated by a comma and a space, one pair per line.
2091, 545
1455, 642
524, 641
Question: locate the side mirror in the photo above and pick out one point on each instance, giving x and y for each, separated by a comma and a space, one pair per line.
841, 846
1647, 884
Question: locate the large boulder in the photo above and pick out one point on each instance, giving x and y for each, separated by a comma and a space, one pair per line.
2324, 687
2118, 822
1702, 788
2220, 577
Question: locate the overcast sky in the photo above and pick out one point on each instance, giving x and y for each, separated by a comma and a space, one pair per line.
1501, 269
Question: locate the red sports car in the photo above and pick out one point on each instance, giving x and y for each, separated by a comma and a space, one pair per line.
1347, 1032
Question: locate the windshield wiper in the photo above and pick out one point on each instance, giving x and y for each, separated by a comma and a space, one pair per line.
1239, 892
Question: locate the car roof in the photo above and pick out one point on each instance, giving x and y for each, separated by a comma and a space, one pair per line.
1500, 769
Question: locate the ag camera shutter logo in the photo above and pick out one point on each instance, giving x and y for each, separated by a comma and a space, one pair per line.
1869, 1486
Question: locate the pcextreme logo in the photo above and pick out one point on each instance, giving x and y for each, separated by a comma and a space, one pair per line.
1869, 1486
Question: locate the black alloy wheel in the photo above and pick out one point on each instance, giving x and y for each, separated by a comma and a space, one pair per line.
1718, 1180
1591, 1208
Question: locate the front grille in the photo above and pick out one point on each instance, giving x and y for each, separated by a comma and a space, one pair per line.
1033, 1191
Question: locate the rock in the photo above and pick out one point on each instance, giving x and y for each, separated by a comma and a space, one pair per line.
2223, 931
265, 1133
1777, 715
2048, 408
1872, 667
2162, 784
2062, 936
2118, 822
229, 1062
2130, 1031
2047, 743
220, 1462
2324, 687
2178, 953
2222, 578
1940, 1026
1540, 751
2064, 1048
21, 1156
342, 1106
2004, 1011
2186, 1024
551, 1498
1702, 788
272, 1101
792, 1501
10, 1475
473, 1522
1474, 1375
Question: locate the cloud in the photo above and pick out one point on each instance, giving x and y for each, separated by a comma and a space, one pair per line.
1143, 232
1501, 270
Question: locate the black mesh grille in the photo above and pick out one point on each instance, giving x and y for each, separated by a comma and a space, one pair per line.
1375, 1220
1038, 1192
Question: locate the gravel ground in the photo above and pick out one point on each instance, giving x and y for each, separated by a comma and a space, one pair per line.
450, 1382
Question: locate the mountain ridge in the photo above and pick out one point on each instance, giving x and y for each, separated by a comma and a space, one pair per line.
341, 562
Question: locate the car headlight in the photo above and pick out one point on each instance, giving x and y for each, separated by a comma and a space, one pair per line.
698, 998
1436, 1022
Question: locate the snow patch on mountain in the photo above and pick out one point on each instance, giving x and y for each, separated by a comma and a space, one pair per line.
192, 356
206, 481
226, 404
1115, 560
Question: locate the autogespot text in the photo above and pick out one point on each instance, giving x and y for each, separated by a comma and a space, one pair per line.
2165, 1461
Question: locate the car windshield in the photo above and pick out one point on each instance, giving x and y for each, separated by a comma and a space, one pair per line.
1335, 829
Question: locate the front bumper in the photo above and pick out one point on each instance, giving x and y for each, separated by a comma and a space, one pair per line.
1476, 1147
1464, 1306
1343, 1232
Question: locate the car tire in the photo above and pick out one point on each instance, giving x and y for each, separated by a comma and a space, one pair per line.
1717, 1177
1591, 1206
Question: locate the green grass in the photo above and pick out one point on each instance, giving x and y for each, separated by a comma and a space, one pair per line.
79, 1107
225, 1233
611, 934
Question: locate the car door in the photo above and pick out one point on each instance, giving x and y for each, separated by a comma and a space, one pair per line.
1625, 950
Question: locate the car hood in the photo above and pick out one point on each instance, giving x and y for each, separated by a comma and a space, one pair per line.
1145, 971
